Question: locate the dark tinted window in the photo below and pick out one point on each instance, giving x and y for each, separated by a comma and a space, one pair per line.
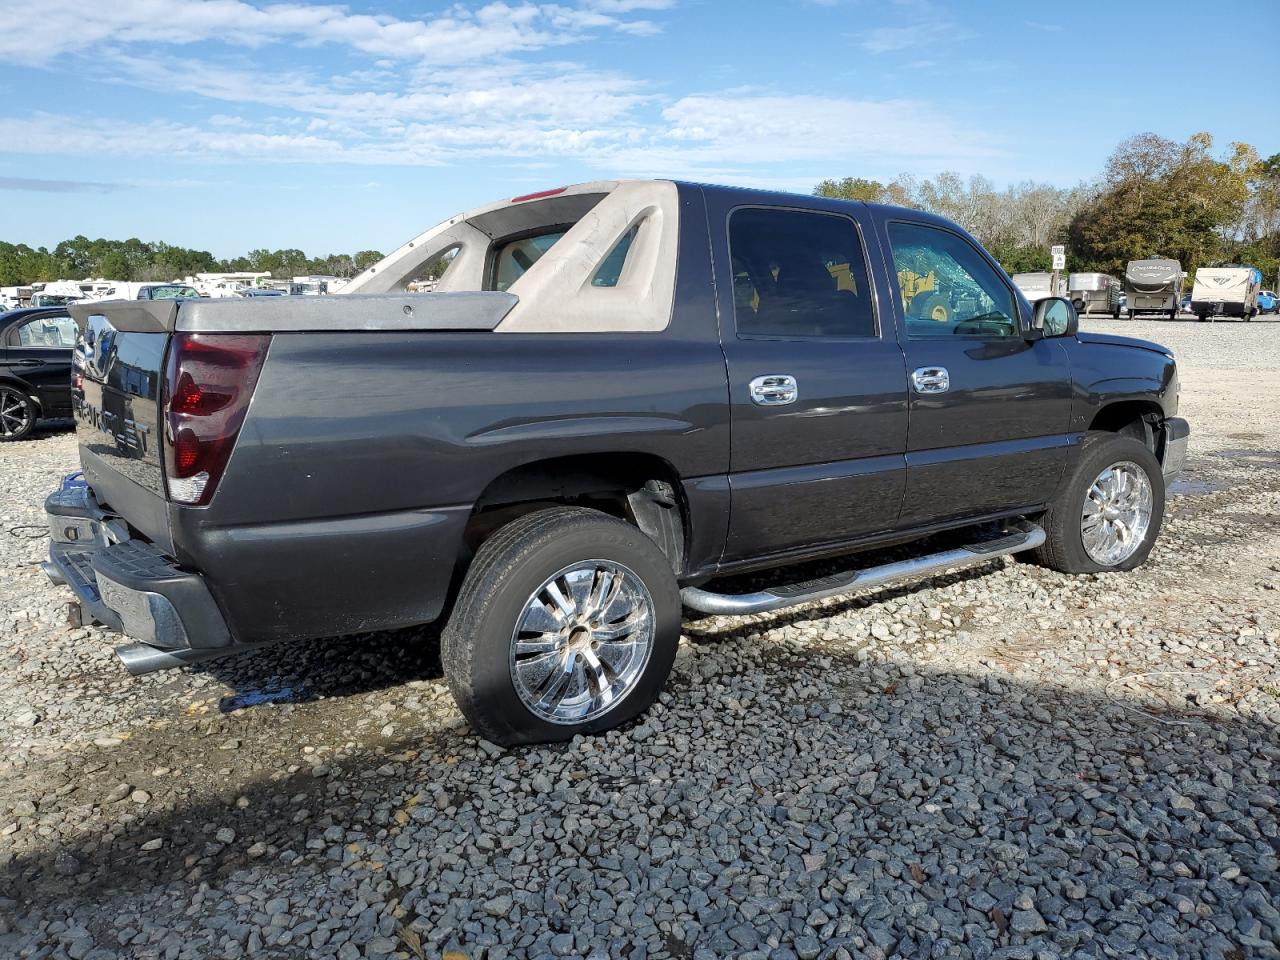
798, 274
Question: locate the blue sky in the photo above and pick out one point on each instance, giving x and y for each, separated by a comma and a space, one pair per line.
232, 124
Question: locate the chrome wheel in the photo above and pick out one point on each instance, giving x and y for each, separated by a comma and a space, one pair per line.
15, 413
1117, 513
582, 641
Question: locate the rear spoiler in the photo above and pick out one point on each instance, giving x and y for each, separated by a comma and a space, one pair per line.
473, 311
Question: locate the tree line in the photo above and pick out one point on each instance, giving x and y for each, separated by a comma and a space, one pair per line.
135, 259
1155, 198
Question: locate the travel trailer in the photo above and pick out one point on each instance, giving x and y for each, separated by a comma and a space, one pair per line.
1226, 292
1153, 286
55, 293
1037, 286
1095, 293
215, 285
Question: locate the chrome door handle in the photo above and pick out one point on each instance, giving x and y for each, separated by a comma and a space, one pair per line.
931, 380
774, 389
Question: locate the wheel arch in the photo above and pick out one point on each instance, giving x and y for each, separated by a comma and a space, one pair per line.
8, 380
1136, 418
640, 488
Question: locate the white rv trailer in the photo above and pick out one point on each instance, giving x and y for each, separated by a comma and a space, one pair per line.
1095, 293
1226, 292
55, 293
11, 298
217, 285
1037, 286
1153, 286
317, 284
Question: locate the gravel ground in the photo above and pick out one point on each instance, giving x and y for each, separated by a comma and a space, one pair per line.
1005, 762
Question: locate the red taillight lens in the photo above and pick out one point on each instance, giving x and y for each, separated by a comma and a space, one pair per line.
209, 381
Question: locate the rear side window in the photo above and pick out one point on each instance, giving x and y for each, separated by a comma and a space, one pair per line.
611, 267
798, 274
516, 256
45, 332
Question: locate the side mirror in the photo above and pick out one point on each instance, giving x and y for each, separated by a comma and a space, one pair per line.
1054, 317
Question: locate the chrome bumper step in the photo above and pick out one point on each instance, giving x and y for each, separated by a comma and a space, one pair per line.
1026, 537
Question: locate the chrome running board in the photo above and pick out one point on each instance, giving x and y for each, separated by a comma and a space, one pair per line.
1026, 536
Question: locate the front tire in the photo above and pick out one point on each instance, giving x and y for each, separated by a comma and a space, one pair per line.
567, 622
17, 414
1108, 513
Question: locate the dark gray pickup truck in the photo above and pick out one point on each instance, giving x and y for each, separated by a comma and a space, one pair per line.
617, 393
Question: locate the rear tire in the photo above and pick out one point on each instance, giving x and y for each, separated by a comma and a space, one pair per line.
567, 622
17, 414
1074, 542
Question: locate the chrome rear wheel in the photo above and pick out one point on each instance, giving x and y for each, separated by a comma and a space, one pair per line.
582, 641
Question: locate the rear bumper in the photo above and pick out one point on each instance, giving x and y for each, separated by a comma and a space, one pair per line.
1177, 434
1217, 308
129, 586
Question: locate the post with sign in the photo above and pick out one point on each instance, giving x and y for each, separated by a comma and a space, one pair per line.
1059, 263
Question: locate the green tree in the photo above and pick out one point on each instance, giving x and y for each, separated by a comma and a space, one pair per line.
1164, 199
366, 258
852, 188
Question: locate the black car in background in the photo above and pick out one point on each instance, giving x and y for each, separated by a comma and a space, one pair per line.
36, 344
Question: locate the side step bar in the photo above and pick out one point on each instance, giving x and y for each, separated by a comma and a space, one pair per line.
1026, 537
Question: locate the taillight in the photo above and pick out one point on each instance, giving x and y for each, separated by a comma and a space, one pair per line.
539, 195
209, 381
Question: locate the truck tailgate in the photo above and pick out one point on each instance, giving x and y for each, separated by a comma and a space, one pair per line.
116, 397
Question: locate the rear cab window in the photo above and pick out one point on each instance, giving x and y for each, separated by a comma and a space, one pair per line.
798, 273
511, 259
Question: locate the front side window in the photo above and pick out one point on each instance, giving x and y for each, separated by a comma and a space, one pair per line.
798, 274
947, 287
516, 256
45, 332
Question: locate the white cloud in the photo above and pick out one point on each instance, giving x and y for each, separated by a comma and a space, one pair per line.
777, 128
38, 33
925, 25
462, 85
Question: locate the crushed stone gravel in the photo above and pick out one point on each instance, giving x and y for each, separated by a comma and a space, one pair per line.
1001, 762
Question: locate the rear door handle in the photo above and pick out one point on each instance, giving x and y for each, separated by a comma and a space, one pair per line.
774, 390
931, 380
